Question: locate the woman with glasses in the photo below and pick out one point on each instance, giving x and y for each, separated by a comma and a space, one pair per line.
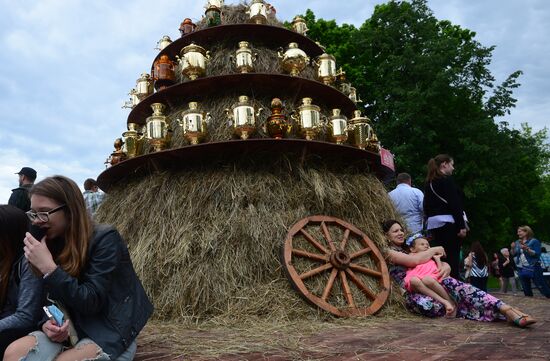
88, 274
20, 289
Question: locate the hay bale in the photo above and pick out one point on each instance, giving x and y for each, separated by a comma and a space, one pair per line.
205, 241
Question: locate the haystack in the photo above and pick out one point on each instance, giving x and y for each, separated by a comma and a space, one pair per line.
206, 239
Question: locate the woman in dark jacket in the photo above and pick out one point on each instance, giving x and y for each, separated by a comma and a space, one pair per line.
444, 210
88, 273
20, 289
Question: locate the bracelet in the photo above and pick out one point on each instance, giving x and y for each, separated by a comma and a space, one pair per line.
49, 273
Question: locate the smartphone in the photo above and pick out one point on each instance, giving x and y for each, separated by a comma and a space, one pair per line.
54, 314
37, 232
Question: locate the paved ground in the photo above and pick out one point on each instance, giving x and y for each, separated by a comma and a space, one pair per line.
411, 339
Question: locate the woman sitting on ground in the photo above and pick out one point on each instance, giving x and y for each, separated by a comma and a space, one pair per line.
88, 274
472, 303
20, 289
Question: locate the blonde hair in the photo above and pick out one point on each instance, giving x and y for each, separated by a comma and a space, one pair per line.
78, 231
527, 230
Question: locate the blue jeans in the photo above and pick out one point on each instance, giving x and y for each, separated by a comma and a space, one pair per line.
48, 350
538, 278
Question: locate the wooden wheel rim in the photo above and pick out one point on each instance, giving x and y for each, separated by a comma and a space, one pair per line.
333, 257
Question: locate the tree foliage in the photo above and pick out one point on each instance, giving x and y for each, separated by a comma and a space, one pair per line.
427, 86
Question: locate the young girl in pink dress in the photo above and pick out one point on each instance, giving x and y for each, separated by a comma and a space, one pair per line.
424, 278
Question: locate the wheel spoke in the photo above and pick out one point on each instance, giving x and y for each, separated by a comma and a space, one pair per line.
344, 240
305, 254
365, 270
315, 271
313, 241
347, 289
330, 283
360, 284
328, 237
360, 253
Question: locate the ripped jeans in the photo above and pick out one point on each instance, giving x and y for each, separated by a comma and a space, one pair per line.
48, 350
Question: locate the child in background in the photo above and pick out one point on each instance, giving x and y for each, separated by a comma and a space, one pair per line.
425, 278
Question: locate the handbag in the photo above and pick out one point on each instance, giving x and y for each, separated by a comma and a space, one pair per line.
445, 201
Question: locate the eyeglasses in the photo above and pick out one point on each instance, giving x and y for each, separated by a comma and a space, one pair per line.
43, 216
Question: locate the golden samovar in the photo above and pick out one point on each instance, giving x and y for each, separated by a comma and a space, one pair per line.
158, 130
293, 60
133, 141
338, 127
326, 68
193, 59
194, 123
360, 130
257, 12
308, 119
299, 25
244, 58
243, 116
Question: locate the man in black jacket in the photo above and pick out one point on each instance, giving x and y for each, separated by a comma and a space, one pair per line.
20, 195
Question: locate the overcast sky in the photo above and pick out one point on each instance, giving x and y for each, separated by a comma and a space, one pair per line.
67, 66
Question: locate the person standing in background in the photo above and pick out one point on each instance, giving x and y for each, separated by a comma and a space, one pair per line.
20, 195
544, 259
477, 263
507, 266
92, 196
526, 252
446, 219
408, 202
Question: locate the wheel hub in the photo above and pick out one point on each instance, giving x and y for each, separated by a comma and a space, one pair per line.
340, 259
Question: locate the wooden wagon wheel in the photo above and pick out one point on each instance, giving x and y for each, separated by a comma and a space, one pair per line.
346, 277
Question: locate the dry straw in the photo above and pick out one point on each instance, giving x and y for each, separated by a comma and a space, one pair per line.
206, 240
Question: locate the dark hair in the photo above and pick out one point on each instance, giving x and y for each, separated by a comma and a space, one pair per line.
78, 231
89, 184
481, 256
388, 223
403, 177
13, 225
433, 166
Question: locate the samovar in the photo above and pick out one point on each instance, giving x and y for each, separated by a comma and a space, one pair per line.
134, 100
164, 73
293, 60
308, 119
186, 27
299, 25
277, 123
343, 85
360, 130
244, 58
257, 12
133, 140
163, 42
193, 59
213, 13
158, 131
194, 123
118, 155
243, 116
338, 126
353, 95
144, 86
326, 68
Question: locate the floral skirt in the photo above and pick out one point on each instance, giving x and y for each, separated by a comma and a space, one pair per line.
472, 303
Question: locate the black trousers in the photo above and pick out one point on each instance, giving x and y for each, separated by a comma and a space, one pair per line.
446, 237
479, 282
8, 336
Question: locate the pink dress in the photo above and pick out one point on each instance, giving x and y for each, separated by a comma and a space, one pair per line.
428, 269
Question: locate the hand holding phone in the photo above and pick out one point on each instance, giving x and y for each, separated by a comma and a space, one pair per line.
37, 232
54, 314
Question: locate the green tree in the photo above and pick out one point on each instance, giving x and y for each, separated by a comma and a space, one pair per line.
428, 89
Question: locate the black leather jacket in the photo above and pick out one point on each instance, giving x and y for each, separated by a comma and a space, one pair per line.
107, 303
